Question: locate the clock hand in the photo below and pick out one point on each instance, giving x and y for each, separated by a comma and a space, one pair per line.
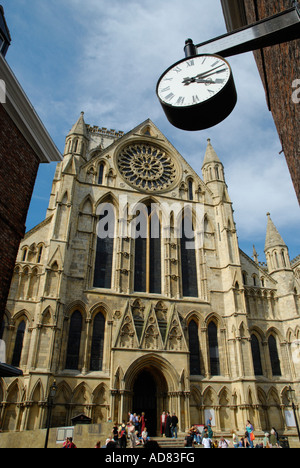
188, 81
209, 71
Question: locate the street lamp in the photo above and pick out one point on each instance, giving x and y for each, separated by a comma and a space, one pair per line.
292, 397
50, 403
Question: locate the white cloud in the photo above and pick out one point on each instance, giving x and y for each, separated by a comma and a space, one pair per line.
108, 57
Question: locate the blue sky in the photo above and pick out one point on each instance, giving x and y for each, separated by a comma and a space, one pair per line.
104, 58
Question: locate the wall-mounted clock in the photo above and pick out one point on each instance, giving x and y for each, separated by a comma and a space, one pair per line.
197, 92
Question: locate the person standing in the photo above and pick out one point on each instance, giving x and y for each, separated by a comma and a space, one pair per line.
206, 441
163, 420
123, 435
132, 436
174, 422
143, 422
168, 425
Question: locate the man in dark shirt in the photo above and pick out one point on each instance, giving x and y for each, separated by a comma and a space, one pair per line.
174, 422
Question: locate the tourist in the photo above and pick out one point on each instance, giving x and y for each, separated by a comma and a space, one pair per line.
145, 437
235, 440
223, 444
131, 432
266, 441
174, 422
168, 425
206, 441
98, 445
250, 434
189, 439
274, 439
115, 432
71, 444
122, 433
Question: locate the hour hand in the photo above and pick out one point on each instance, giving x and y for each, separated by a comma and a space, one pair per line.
195, 79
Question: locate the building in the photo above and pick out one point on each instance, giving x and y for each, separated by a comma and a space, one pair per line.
279, 70
133, 294
24, 145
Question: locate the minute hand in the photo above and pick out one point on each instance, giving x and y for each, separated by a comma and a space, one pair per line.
211, 72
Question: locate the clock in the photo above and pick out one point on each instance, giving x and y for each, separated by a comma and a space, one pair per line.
197, 92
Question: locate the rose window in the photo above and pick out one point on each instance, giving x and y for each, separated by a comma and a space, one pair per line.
147, 167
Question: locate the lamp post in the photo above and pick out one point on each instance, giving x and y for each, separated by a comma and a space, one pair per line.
291, 396
50, 402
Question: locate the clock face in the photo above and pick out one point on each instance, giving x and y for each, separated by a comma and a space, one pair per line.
194, 81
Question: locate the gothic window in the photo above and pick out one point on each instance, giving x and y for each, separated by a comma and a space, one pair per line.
147, 271
191, 190
97, 343
19, 344
24, 255
73, 349
213, 349
194, 348
40, 253
217, 173
105, 247
283, 259
256, 355
188, 259
101, 174
274, 356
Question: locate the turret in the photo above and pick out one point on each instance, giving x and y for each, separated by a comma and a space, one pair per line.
77, 139
276, 251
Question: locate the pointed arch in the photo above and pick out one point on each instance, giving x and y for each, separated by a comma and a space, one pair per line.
189, 277
194, 347
213, 343
74, 340
106, 234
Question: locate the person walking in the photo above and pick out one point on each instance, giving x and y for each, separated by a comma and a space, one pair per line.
174, 422
250, 434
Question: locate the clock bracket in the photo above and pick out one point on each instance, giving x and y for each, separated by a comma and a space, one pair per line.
274, 30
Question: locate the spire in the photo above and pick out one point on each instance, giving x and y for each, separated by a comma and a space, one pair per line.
210, 155
255, 254
79, 128
273, 238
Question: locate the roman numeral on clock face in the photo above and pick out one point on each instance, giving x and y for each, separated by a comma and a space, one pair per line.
169, 97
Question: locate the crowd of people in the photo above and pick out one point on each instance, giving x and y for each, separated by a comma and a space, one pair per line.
134, 433
206, 438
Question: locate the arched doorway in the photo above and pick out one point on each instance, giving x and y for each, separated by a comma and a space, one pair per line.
150, 395
145, 400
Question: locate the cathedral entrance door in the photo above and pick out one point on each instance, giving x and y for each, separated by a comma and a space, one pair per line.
145, 400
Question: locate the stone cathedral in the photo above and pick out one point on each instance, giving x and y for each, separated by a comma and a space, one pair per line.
130, 311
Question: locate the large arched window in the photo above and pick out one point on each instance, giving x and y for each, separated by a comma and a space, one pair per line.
147, 264
97, 343
256, 355
194, 347
188, 258
274, 356
105, 246
73, 349
19, 344
213, 349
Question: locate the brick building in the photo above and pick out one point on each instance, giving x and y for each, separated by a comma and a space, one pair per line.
24, 144
279, 69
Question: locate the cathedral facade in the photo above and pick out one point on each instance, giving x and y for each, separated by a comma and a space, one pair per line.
134, 295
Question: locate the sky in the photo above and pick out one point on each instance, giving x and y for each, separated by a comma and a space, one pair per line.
105, 58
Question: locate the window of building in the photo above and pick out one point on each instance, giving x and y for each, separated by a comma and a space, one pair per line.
188, 259
194, 347
274, 356
105, 247
101, 174
256, 355
97, 343
73, 349
191, 190
19, 344
147, 269
213, 349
